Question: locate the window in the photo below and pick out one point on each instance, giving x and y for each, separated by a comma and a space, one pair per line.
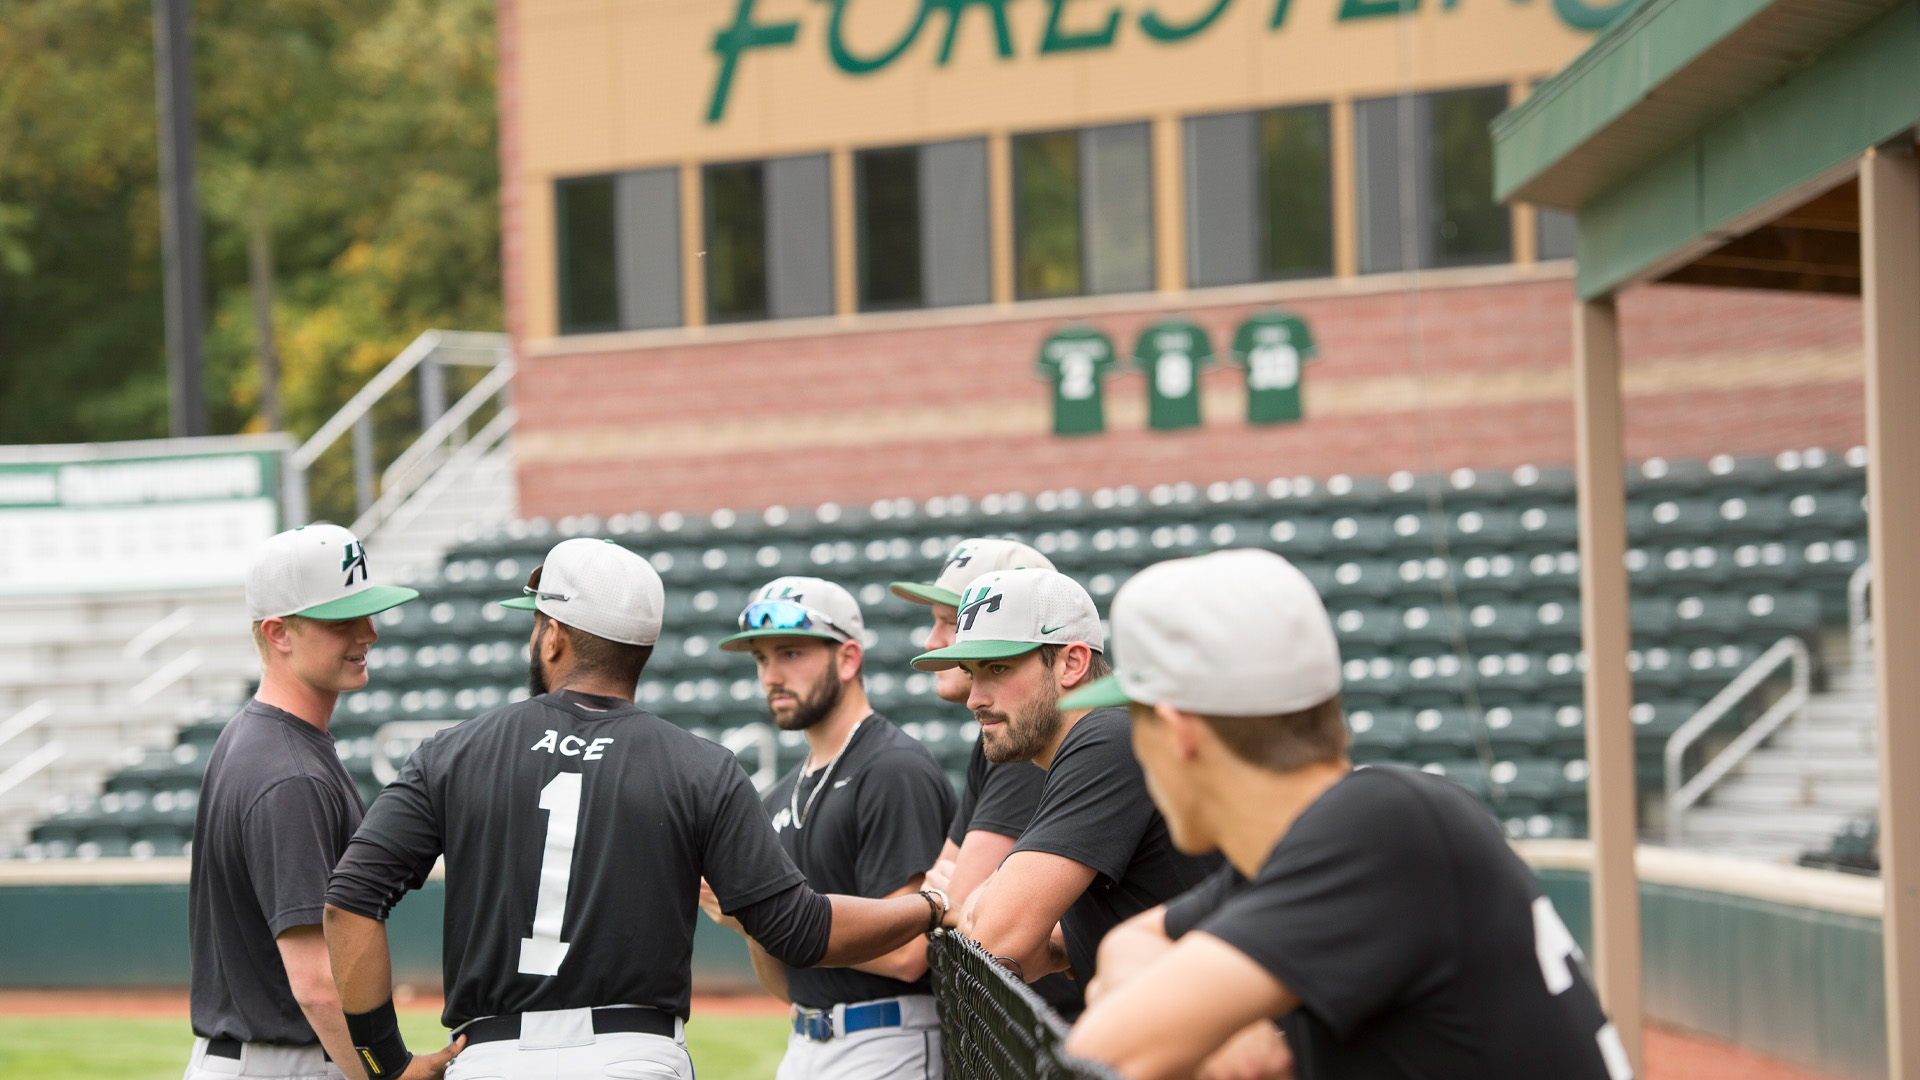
1083, 211
1553, 235
923, 225
1259, 196
1432, 154
589, 290
619, 251
769, 233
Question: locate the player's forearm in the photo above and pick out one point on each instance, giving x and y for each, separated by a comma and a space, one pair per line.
770, 971
1008, 933
1129, 949
976, 861
865, 929
330, 1023
362, 966
906, 963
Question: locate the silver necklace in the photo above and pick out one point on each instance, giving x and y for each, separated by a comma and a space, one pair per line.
793, 799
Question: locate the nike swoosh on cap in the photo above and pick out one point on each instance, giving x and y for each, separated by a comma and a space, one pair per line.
1051, 629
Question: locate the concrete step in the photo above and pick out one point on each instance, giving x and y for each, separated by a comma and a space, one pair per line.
1825, 765
1823, 739
1794, 794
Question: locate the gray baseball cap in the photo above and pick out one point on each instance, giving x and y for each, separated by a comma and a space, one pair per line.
600, 587
968, 560
797, 607
1234, 633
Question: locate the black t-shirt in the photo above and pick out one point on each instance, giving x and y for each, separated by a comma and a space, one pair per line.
876, 827
1184, 912
276, 810
576, 830
998, 798
1418, 943
1096, 811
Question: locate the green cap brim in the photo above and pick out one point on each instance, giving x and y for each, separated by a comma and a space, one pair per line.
942, 659
1099, 694
739, 642
916, 593
520, 603
371, 600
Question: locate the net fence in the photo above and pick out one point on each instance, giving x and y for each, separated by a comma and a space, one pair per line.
991, 1026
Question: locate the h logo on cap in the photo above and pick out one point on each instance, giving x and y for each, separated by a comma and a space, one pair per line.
970, 610
355, 559
960, 558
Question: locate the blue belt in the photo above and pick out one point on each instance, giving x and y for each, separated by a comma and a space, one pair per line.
817, 1024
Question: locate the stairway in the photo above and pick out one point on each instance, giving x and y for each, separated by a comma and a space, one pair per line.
1792, 794
484, 492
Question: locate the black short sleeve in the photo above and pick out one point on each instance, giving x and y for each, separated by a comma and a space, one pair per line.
1344, 914
1092, 810
1184, 912
403, 817
903, 800
999, 798
743, 859
290, 836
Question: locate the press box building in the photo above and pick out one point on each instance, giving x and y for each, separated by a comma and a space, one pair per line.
787, 251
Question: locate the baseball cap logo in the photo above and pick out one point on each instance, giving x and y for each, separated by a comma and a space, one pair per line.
959, 558
971, 606
354, 559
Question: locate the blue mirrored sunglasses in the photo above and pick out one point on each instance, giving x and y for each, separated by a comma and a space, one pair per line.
785, 615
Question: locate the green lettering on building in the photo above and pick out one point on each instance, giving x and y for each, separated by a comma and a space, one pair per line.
1077, 359
844, 58
1002, 35
1160, 30
736, 39
1064, 31
1058, 40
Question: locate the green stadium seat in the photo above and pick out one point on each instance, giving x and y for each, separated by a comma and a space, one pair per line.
1441, 733
1369, 681
1299, 537
1672, 520
1364, 535
1379, 734
1521, 730
1488, 529
1375, 628
1466, 772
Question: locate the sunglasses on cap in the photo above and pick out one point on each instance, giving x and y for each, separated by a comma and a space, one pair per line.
532, 587
787, 615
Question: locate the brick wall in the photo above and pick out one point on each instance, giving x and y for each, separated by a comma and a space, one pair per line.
684, 425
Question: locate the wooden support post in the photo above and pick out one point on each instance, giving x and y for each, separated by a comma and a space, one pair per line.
1169, 205
693, 245
1000, 214
1346, 217
846, 234
1605, 630
1890, 289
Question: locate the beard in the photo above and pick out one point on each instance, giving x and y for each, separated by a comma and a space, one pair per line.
1019, 736
811, 707
536, 672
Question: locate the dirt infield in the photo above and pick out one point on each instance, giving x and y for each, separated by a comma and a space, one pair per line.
1672, 1054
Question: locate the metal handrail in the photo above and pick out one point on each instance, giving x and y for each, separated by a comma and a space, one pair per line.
19, 723
410, 470
359, 407
1859, 618
32, 763
1680, 797
453, 468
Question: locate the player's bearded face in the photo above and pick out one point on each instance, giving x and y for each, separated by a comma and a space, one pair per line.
1018, 732
798, 707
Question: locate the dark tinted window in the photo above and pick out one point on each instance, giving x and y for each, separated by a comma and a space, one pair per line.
1046, 208
1470, 227
736, 257
888, 197
589, 289
1296, 193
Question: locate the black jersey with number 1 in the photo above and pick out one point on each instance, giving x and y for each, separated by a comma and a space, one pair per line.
576, 830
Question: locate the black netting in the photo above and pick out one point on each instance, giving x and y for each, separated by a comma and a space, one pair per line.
991, 1026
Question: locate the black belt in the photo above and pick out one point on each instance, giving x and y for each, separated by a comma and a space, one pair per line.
226, 1046
606, 1021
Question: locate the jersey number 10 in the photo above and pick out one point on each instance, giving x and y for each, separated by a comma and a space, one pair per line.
542, 952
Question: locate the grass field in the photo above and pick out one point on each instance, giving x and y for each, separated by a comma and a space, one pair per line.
153, 1048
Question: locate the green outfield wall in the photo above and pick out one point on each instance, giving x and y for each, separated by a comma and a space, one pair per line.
1781, 960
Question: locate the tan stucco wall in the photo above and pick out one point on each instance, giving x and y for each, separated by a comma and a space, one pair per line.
619, 84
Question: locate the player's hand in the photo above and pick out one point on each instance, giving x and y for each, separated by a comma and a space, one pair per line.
941, 876
433, 1066
710, 904
1258, 1052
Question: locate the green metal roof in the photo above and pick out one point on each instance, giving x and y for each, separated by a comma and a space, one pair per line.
1689, 117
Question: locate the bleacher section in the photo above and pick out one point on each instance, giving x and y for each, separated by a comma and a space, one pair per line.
1456, 598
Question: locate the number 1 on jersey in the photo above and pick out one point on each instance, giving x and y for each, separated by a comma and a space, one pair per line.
542, 953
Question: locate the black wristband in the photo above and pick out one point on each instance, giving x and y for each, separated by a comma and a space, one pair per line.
376, 1038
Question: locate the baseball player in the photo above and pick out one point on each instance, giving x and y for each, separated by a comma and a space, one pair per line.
576, 829
864, 815
1385, 922
998, 800
1096, 851
276, 810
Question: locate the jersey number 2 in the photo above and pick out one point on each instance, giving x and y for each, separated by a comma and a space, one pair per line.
542, 952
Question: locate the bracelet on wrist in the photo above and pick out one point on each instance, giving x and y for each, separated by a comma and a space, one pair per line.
377, 1041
